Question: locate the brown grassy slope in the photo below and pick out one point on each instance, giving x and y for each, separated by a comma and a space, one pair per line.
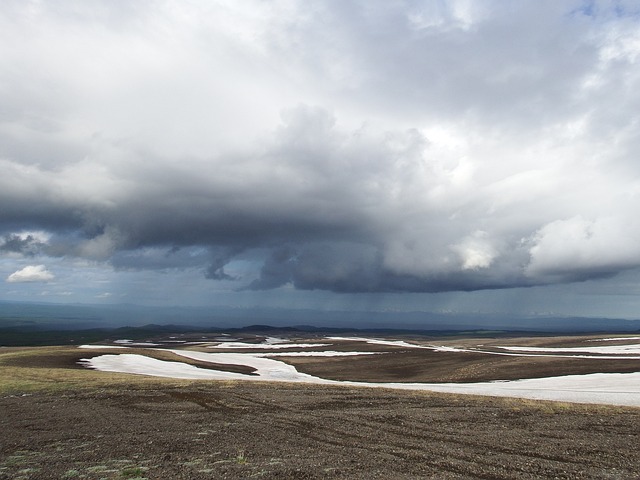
56, 369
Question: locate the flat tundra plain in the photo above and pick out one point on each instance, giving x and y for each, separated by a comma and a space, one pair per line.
61, 419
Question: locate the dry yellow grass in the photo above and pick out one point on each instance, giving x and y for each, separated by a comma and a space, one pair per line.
29, 379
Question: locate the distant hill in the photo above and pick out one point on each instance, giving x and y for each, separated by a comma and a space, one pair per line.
55, 317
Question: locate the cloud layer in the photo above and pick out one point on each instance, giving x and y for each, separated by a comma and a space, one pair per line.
343, 146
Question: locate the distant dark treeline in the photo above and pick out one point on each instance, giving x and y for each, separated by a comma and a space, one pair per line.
18, 337
55, 324
33, 336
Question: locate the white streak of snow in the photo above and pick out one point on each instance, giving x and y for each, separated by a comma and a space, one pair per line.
315, 354
606, 388
102, 346
268, 346
611, 349
375, 341
616, 339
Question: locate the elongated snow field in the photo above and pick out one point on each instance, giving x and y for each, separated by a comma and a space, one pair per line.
602, 388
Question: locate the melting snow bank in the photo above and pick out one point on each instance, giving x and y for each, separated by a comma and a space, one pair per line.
327, 353
103, 346
612, 349
126, 341
375, 341
617, 339
604, 388
268, 346
266, 368
615, 351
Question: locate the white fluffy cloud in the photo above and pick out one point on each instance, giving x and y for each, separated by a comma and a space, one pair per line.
31, 273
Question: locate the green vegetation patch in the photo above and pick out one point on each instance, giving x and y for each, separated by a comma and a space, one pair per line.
133, 472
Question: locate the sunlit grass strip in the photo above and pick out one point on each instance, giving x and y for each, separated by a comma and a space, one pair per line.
16, 380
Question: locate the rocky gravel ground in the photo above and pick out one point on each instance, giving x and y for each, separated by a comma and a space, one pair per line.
211, 430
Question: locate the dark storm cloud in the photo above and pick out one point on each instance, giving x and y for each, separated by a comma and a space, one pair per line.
276, 271
157, 258
352, 268
215, 270
342, 146
26, 245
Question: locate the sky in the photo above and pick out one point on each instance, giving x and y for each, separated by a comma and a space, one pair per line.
445, 156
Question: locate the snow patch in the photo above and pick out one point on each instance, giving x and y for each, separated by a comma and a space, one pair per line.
611, 349
128, 342
102, 346
616, 339
604, 388
268, 346
316, 354
375, 341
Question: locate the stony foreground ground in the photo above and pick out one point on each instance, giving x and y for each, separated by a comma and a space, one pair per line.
279, 431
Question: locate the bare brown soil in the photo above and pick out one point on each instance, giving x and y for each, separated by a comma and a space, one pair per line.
210, 430
400, 364
65, 358
392, 365
95, 425
430, 366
